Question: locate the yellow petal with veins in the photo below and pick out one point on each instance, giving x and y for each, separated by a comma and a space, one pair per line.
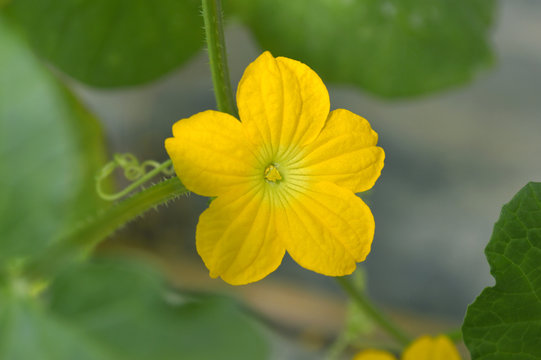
236, 236
210, 153
345, 153
326, 228
282, 103
429, 348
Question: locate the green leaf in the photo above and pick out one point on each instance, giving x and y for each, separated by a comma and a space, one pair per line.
112, 42
116, 311
504, 322
50, 151
28, 332
391, 48
4, 3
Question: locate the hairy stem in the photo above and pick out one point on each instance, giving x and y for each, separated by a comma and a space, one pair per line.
375, 314
84, 238
213, 18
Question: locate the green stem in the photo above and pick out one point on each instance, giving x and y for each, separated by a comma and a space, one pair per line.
86, 237
214, 30
375, 314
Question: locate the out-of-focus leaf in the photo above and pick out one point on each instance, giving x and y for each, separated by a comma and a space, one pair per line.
116, 311
28, 332
3, 3
504, 322
112, 42
391, 48
50, 151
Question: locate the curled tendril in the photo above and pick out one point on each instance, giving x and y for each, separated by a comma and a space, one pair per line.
138, 173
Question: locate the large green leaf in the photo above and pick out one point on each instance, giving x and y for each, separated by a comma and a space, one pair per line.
109, 310
29, 332
388, 47
112, 42
50, 150
504, 322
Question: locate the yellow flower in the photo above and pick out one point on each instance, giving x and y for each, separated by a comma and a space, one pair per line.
284, 177
424, 348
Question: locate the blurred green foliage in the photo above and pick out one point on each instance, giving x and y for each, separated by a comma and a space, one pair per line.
504, 322
115, 310
392, 48
112, 42
50, 151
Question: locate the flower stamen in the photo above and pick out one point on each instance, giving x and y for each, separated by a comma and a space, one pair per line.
272, 173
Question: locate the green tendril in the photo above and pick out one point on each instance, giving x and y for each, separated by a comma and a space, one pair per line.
138, 173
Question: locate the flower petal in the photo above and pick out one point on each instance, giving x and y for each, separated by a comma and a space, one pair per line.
345, 152
373, 354
325, 228
429, 348
282, 102
210, 153
236, 236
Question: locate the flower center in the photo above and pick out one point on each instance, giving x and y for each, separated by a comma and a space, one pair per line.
272, 173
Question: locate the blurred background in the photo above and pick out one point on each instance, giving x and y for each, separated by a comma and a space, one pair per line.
453, 158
